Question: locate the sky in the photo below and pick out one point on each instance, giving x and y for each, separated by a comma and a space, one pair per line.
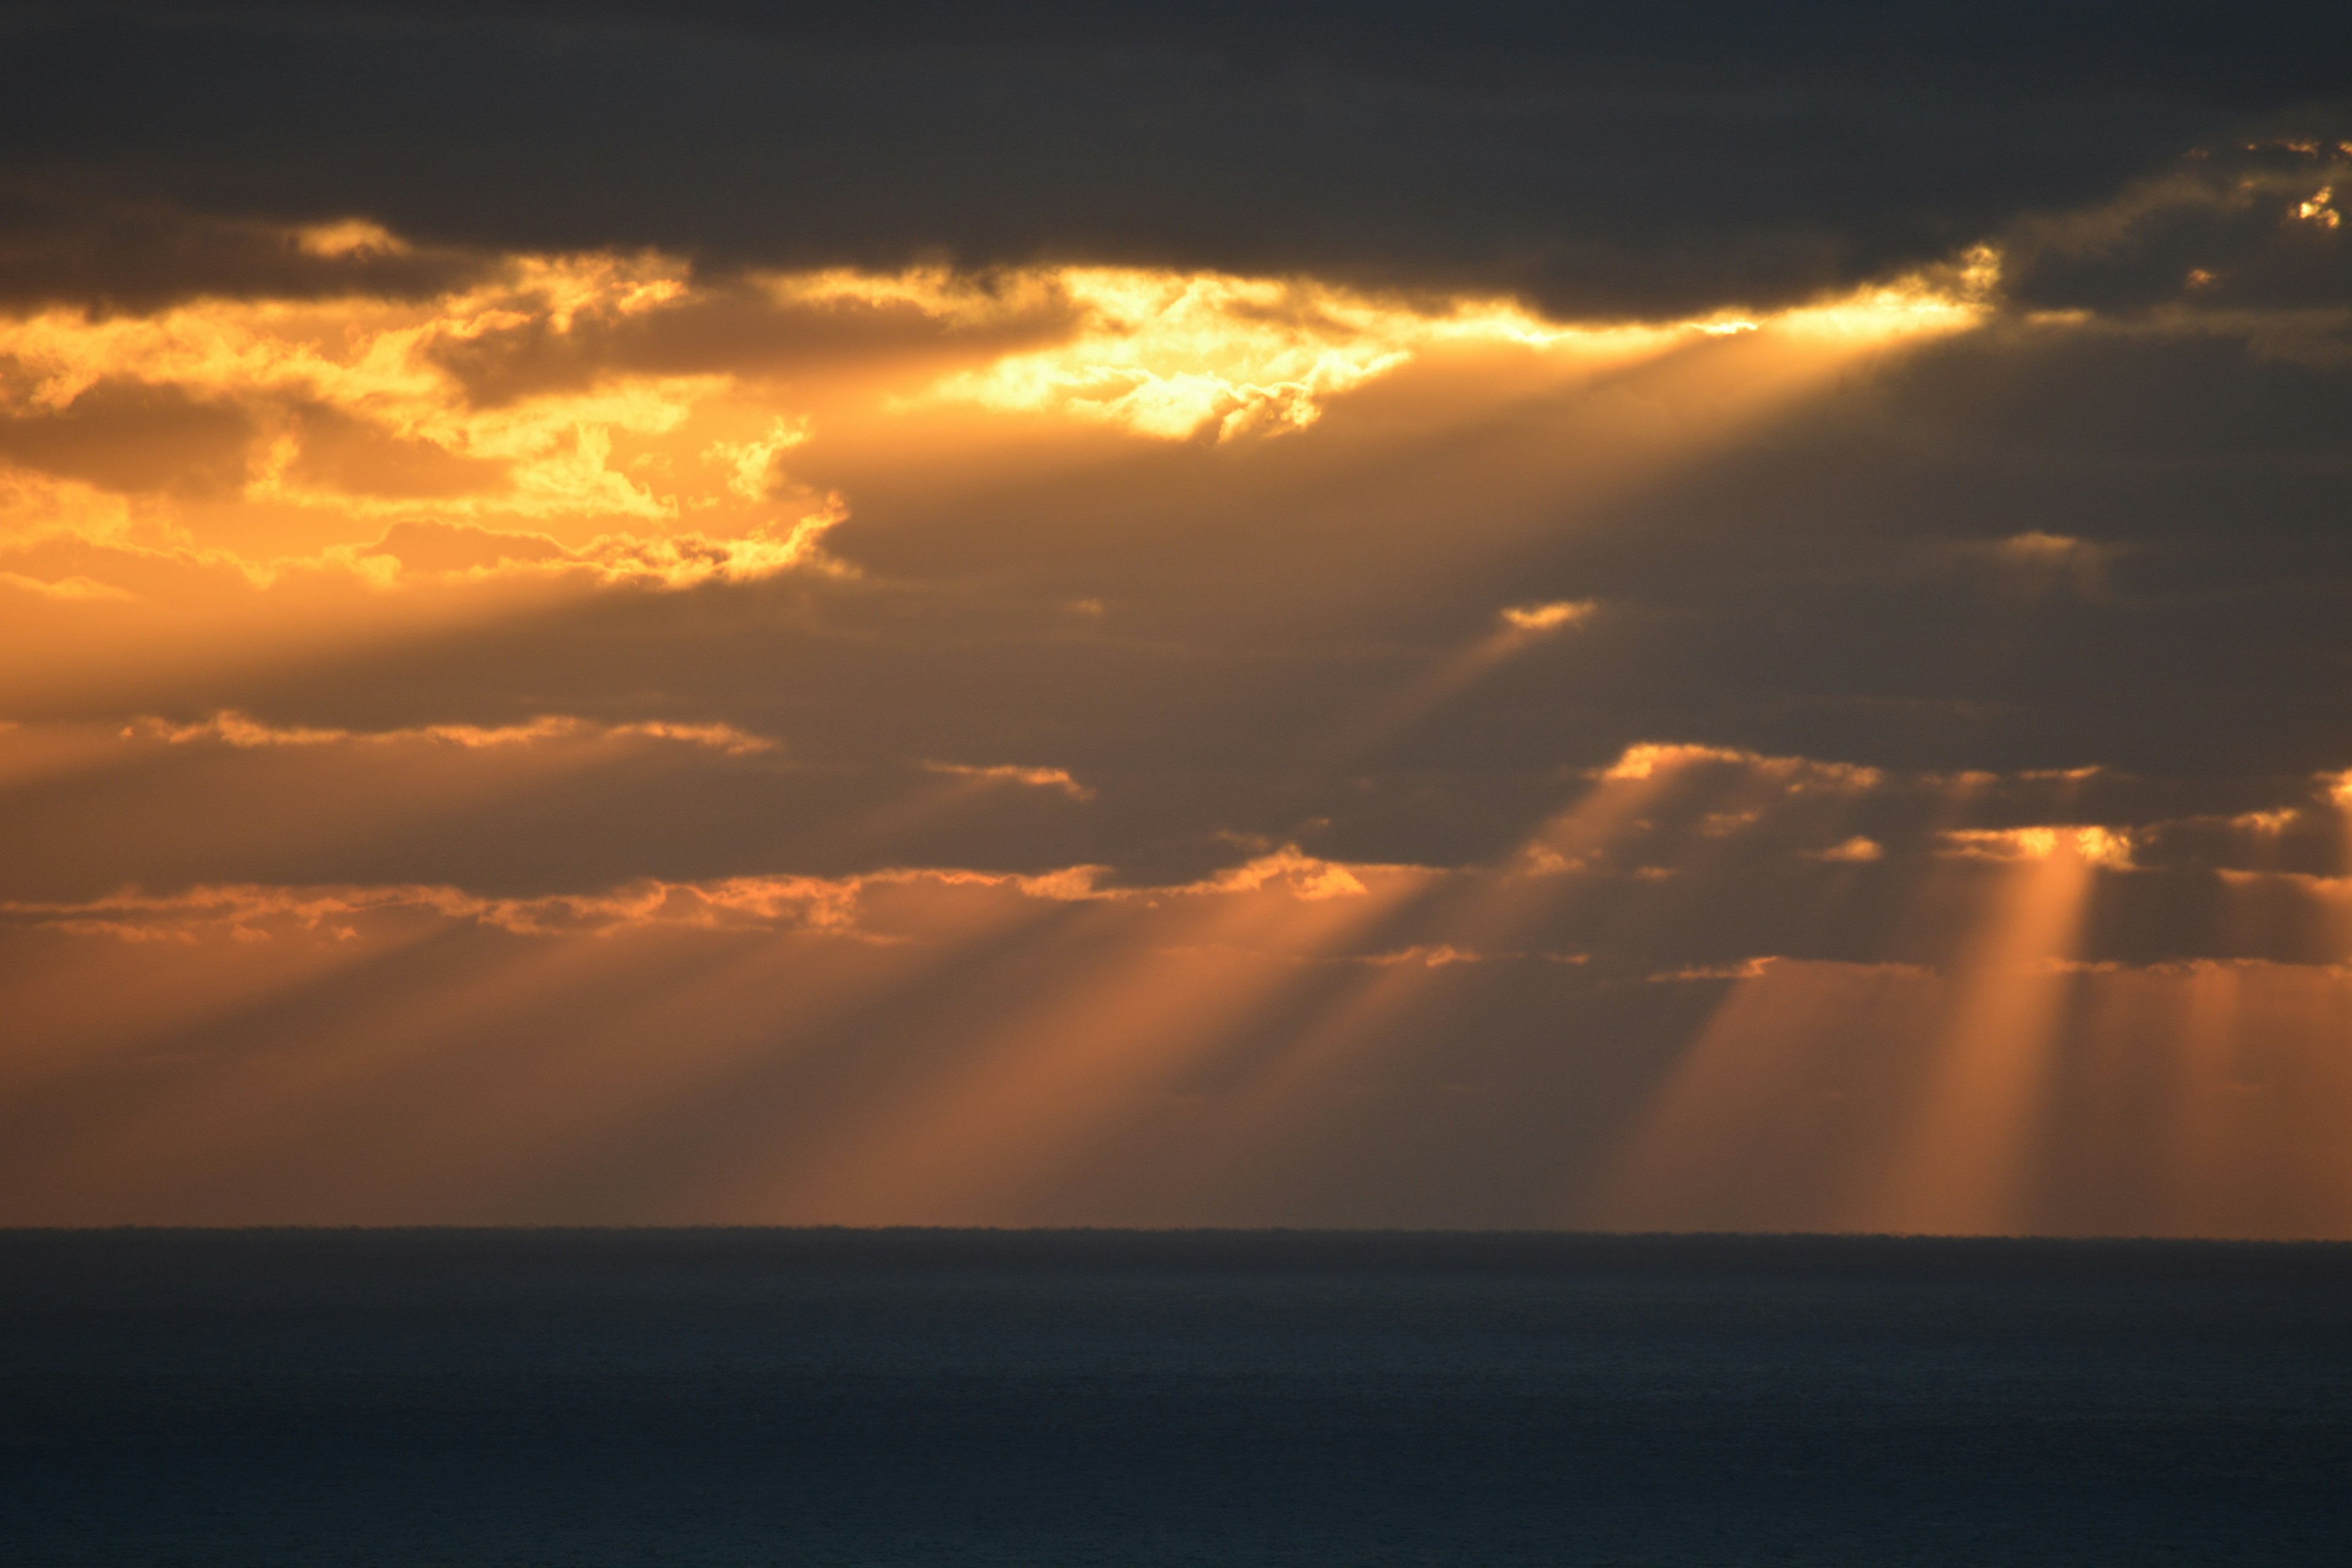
1704, 617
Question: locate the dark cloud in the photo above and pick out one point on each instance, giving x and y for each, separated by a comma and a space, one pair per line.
2237, 228
1590, 159
66, 242
133, 436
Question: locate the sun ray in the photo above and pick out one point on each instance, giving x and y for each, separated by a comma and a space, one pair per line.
1965, 1161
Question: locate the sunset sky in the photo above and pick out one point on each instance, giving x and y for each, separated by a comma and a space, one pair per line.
1704, 617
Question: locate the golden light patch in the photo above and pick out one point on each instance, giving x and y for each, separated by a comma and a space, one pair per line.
2111, 847
1920, 304
1649, 759
344, 418
352, 236
1175, 355
1548, 618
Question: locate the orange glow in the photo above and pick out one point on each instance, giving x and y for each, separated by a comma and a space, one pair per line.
2340, 792
1964, 1165
1547, 617
272, 474
621, 725
1774, 1117
989, 1038
2192, 1100
1084, 1040
1921, 304
1171, 355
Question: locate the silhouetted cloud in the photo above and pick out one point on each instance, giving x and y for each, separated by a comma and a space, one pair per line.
1591, 160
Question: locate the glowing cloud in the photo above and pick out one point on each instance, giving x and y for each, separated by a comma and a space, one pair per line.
1172, 355
1007, 772
1169, 355
1548, 618
1927, 303
242, 731
1651, 759
2111, 847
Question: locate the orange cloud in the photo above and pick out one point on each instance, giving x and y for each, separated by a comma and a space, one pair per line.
1548, 618
2111, 847
239, 729
1032, 778
829, 903
1651, 759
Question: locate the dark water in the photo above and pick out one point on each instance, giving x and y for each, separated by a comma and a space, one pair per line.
473, 1398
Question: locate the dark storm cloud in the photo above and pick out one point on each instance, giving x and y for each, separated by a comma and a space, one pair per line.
1595, 158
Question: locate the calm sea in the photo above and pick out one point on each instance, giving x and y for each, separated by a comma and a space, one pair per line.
689, 1397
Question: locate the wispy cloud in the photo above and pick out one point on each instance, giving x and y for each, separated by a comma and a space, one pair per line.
230, 728
1013, 773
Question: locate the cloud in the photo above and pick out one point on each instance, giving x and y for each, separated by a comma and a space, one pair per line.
233, 910
2229, 232
1008, 773
64, 243
753, 461
1647, 758
243, 732
126, 435
1599, 166
1171, 355
674, 560
1547, 617
836, 905
67, 590
1304, 876
2099, 846
341, 405
1746, 969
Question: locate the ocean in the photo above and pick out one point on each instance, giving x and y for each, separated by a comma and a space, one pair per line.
470, 1398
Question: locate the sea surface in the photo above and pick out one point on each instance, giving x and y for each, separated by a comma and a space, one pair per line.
682, 1397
